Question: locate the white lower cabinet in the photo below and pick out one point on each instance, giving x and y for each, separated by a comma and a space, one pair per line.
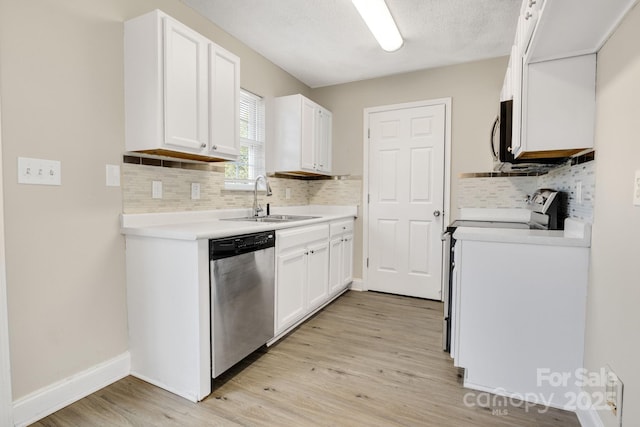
302, 273
314, 264
340, 256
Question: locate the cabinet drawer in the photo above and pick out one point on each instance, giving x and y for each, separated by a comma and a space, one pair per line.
301, 236
340, 227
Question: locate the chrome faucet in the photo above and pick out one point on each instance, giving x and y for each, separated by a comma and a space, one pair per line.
257, 209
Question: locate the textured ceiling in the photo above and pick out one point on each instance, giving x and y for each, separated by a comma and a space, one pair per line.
325, 42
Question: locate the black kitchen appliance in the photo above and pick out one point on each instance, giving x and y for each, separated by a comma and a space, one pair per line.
501, 150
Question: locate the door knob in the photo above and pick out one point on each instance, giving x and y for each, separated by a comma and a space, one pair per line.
436, 213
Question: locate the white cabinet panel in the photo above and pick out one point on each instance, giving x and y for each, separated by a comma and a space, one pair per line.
308, 135
340, 256
318, 274
335, 264
559, 105
185, 83
224, 96
347, 259
290, 285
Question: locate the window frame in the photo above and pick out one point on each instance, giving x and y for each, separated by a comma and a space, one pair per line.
241, 184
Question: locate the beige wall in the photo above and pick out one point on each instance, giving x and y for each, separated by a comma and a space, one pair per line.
61, 79
614, 295
474, 89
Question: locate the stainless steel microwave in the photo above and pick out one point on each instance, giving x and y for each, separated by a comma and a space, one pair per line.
501, 134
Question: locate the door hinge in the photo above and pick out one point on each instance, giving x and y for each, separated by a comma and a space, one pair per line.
368, 133
367, 262
368, 198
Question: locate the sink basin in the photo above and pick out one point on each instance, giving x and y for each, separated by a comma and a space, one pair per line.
271, 218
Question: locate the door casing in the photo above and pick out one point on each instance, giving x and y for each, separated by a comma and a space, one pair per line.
365, 171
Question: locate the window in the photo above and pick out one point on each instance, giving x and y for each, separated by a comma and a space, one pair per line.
241, 174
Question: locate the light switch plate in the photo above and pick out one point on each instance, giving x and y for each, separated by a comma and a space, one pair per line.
113, 175
195, 191
39, 171
636, 189
156, 189
579, 192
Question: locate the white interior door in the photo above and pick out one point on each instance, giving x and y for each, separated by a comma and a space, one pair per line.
406, 199
5, 372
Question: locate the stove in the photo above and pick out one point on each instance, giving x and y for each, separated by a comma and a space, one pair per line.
544, 212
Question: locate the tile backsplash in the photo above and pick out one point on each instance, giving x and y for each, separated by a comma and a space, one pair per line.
176, 190
512, 191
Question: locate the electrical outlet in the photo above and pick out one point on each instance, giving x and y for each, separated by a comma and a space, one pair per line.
39, 171
195, 191
579, 192
156, 189
636, 189
613, 394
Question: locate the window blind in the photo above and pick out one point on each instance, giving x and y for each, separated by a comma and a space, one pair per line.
251, 161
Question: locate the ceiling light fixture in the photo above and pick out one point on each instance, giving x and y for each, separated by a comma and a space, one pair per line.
380, 22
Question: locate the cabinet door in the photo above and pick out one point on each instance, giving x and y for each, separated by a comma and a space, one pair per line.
558, 104
290, 288
347, 259
323, 141
318, 274
308, 135
224, 95
335, 265
185, 88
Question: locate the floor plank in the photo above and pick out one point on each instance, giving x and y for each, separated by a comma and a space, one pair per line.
368, 359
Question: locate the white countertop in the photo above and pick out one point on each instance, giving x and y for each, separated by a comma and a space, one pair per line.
576, 234
194, 225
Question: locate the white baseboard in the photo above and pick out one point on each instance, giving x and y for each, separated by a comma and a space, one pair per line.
357, 285
589, 418
47, 400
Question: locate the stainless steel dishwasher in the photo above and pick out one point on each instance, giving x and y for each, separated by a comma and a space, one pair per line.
242, 296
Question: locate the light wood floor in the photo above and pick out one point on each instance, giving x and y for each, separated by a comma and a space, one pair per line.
368, 359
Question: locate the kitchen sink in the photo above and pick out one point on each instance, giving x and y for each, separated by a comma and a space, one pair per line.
271, 218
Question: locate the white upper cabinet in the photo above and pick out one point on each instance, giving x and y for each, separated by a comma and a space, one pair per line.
551, 75
302, 142
574, 27
181, 91
558, 107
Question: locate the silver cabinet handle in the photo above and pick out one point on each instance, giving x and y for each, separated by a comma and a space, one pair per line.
527, 16
203, 145
436, 213
214, 147
532, 2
